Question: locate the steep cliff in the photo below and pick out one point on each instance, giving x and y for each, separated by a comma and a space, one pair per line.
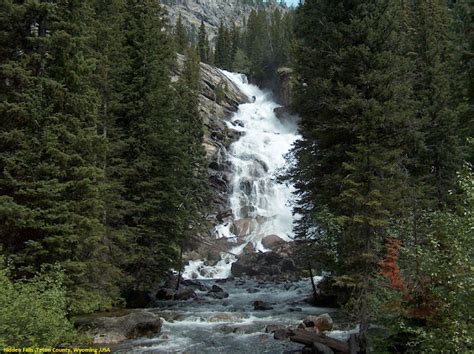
212, 12
219, 98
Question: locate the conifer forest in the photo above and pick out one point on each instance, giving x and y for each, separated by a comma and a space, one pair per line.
237, 176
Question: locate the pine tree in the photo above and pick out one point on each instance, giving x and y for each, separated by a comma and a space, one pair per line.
353, 98
193, 176
153, 155
203, 44
180, 36
51, 184
223, 48
441, 156
110, 68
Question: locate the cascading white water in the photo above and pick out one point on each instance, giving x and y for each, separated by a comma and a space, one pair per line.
260, 205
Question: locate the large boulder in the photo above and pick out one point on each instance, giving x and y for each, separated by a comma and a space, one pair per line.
243, 227
272, 241
269, 264
112, 328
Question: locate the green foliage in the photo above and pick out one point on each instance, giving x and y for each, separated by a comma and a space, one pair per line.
381, 145
180, 36
266, 42
50, 178
435, 311
33, 313
99, 151
219, 92
203, 44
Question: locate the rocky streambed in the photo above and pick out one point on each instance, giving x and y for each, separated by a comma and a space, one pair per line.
236, 316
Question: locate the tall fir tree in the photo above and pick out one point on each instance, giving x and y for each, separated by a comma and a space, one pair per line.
203, 43
153, 155
51, 171
180, 35
354, 100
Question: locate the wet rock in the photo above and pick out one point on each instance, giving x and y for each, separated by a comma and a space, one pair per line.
273, 327
243, 227
247, 211
195, 284
217, 292
295, 309
322, 322
233, 135
252, 290
263, 265
225, 317
249, 248
283, 334
165, 294
110, 329
272, 241
238, 123
216, 289
184, 293
261, 306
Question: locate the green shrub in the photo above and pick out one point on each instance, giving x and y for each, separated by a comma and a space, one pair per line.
34, 312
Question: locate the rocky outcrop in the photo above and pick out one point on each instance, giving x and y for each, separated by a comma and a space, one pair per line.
212, 12
264, 265
112, 328
283, 89
219, 98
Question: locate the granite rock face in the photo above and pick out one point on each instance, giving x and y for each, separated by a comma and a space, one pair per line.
211, 12
219, 99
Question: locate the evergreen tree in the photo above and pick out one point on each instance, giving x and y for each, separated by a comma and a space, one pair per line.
223, 53
153, 155
353, 98
180, 36
193, 176
203, 44
51, 172
440, 157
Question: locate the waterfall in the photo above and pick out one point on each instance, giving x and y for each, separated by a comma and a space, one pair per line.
259, 204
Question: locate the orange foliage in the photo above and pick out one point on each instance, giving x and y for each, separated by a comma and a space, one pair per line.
418, 297
390, 269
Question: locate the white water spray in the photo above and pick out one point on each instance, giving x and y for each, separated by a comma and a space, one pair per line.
259, 204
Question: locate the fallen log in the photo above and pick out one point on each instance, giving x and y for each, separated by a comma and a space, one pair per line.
308, 338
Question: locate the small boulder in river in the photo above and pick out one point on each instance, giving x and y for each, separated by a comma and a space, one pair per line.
252, 290
110, 329
261, 306
217, 292
322, 322
184, 293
